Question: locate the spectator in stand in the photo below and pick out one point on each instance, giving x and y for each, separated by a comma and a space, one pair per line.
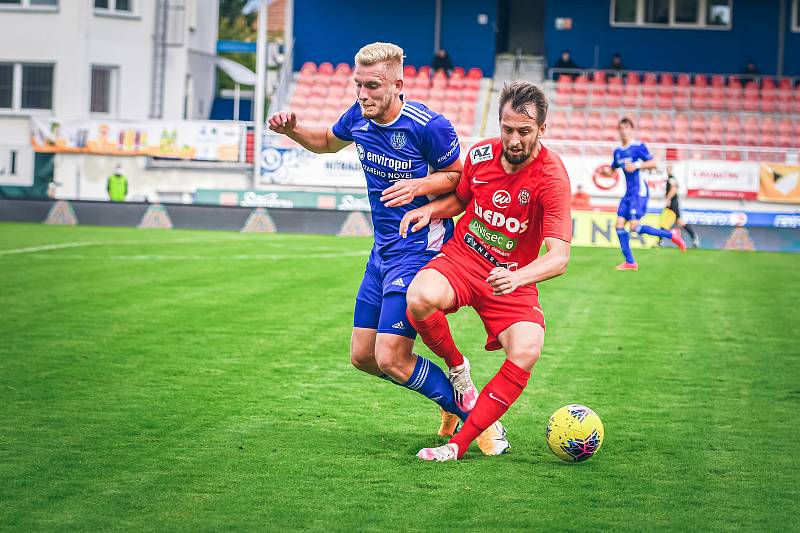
566, 62
616, 63
117, 185
581, 199
441, 61
751, 71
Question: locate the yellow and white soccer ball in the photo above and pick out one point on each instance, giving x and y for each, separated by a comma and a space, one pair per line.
574, 433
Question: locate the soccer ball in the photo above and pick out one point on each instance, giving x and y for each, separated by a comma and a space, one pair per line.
574, 433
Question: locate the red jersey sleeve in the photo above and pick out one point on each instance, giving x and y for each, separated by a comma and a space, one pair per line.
555, 199
463, 190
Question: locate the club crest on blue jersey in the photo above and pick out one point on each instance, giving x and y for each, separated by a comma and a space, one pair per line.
398, 140
360, 150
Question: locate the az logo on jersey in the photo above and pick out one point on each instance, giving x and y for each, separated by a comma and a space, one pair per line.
398, 140
501, 199
360, 150
480, 154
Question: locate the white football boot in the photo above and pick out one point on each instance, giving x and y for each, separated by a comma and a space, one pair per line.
448, 452
465, 391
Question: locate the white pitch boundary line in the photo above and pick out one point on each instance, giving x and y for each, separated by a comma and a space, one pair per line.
245, 257
79, 244
45, 247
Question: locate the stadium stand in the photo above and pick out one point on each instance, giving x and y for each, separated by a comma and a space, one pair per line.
681, 109
323, 92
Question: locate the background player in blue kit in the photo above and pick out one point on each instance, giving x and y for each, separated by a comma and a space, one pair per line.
632, 157
395, 140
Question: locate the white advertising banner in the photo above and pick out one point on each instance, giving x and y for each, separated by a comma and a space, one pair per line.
723, 179
198, 140
587, 172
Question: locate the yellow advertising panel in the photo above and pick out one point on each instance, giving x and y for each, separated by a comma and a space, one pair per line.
780, 183
598, 228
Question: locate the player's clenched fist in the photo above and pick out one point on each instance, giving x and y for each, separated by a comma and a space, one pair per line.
283, 122
421, 215
502, 280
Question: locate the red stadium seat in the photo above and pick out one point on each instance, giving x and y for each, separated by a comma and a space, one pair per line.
424, 70
611, 121
594, 120
474, 73
733, 95
309, 67
769, 99
630, 96
325, 68
409, 71
597, 95
715, 124
750, 100
646, 122
632, 78
459, 71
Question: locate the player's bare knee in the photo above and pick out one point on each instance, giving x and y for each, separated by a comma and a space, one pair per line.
362, 360
419, 301
525, 356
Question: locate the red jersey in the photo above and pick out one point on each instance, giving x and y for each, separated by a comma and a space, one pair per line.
509, 215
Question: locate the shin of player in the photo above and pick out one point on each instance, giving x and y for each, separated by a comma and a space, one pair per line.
515, 194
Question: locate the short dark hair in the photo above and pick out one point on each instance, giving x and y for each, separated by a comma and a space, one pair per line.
626, 120
521, 94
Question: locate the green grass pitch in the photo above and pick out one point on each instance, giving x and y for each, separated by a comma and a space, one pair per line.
188, 380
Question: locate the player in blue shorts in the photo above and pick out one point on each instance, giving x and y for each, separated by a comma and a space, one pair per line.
397, 142
632, 157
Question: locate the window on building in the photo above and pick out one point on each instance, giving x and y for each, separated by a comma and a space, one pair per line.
686, 11
625, 11
103, 89
796, 15
716, 14
37, 87
122, 6
656, 11
6, 85
29, 3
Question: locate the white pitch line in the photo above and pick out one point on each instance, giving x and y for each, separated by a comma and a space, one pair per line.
79, 244
45, 247
245, 257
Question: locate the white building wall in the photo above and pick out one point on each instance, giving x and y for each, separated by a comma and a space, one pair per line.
75, 36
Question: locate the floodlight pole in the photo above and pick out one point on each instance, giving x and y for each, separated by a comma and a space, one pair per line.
261, 72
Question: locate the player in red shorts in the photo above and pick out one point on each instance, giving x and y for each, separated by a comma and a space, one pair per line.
516, 194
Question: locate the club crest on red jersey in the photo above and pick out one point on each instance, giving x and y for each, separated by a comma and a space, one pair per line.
501, 199
524, 196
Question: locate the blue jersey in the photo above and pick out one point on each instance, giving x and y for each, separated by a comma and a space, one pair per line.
635, 184
403, 149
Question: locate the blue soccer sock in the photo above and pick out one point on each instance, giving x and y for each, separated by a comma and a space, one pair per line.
657, 232
431, 381
625, 244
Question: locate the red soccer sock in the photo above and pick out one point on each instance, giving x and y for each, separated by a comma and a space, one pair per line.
435, 333
493, 402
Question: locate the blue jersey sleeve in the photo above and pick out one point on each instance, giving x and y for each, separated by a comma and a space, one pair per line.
644, 153
615, 162
440, 145
343, 127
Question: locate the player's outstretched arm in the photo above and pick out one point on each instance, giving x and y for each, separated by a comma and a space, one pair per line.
317, 140
444, 207
550, 265
440, 182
